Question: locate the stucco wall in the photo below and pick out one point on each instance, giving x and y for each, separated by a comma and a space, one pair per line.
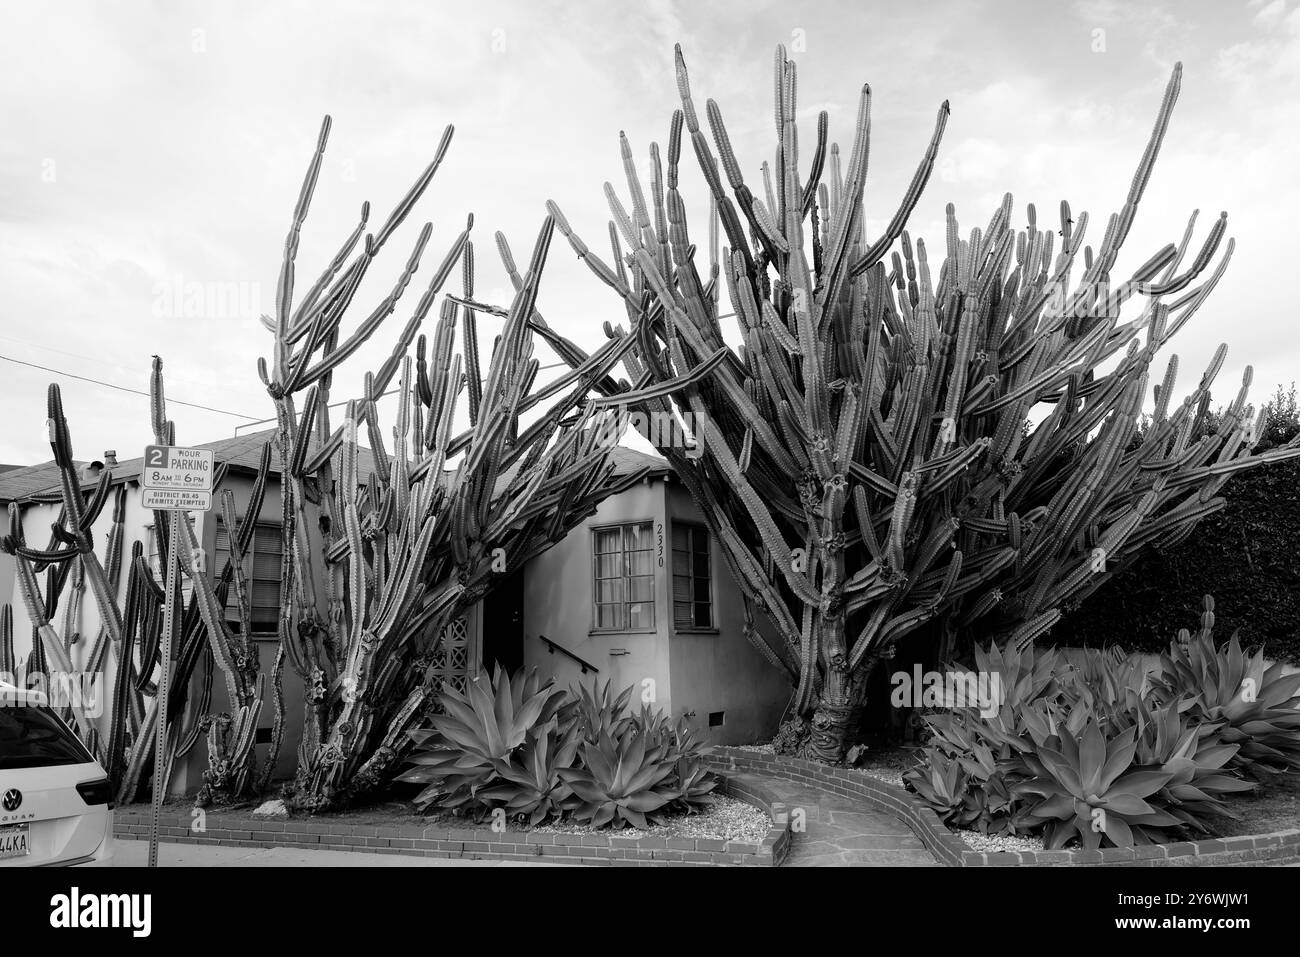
558, 604
693, 673
722, 671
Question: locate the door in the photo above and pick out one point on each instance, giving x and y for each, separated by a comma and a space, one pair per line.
503, 625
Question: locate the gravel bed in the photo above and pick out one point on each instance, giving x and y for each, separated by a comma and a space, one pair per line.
888, 775
728, 819
1000, 842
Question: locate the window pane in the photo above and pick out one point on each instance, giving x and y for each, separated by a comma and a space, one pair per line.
266, 567
640, 563
682, 613
639, 536
681, 563
681, 536
607, 541
700, 541
641, 615
701, 566
607, 616
681, 588
608, 592
265, 620
267, 538
266, 594
703, 615
641, 589
33, 736
609, 566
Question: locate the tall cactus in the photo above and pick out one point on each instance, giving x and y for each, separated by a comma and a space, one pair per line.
130, 630
389, 556
865, 458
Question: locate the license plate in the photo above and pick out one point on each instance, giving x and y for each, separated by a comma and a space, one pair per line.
13, 841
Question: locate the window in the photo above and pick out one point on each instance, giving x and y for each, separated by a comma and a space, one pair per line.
34, 737
692, 602
261, 576
625, 580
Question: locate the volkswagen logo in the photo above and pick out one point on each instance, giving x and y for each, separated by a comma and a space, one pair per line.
12, 800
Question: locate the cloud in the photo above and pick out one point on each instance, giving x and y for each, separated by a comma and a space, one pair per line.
179, 134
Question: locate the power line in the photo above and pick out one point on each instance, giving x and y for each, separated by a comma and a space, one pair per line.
122, 388
251, 420
334, 405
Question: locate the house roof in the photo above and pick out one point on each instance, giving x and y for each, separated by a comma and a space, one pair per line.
241, 451
629, 460
35, 480
28, 480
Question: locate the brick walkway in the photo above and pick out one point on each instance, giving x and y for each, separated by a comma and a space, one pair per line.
840, 831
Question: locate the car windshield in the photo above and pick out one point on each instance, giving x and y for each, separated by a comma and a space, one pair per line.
34, 737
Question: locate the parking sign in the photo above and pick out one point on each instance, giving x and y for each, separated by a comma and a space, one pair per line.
177, 479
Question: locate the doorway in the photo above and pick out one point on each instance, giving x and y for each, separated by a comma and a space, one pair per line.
503, 625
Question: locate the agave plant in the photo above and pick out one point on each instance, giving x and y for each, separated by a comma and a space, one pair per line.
1092, 788
1196, 761
990, 762
941, 783
531, 786
692, 783
602, 712
621, 781
1103, 745
539, 753
502, 731
1236, 696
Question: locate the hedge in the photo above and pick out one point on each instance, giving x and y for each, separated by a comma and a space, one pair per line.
1247, 556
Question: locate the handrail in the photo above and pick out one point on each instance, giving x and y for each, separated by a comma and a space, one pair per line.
584, 665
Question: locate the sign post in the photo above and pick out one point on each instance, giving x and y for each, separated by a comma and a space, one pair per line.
174, 480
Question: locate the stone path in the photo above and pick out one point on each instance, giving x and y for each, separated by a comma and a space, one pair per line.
841, 831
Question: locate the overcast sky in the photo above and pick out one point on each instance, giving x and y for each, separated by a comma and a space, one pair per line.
150, 146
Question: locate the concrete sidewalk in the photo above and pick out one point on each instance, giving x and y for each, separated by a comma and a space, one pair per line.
136, 854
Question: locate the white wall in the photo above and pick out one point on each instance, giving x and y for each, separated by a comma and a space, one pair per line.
558, 603
693, 673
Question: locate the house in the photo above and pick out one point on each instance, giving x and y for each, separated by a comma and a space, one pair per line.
638, 594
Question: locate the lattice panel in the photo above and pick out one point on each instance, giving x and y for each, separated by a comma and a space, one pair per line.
451, 662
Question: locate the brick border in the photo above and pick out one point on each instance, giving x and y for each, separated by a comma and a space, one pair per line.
615, 848
949, 849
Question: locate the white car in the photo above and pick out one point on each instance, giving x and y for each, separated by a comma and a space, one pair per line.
55, 803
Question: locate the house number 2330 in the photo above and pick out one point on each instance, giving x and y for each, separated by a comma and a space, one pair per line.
659, 534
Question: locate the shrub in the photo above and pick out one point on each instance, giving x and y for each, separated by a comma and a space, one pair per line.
1101, 749
500, 744
539, 753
